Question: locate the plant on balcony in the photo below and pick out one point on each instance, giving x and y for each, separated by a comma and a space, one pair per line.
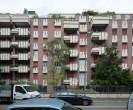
90, 13
57, 16
35, 16
58, 53
111, 13
109, 72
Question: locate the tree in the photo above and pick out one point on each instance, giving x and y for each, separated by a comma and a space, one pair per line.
90, 12
58, 53
108, 70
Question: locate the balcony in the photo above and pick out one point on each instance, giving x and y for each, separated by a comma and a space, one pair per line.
5, 32
71, 24
72, 67
57, 34
45, 34
45, 58
14, 44
35, 46
14, 56
83, 28
74, 53
35, 34
93, 65
124, 53
71, 39
4, 56
124, 66
23, 44
5, 69
114, 39
23, 56
4, 18
98, 50
45, 70
82, 19
124, 39
15, 68
35, 70
15, 31
124, 24
23, 69
45, 22
82, 68
100, 21
35, 22
35, 58
83, 41
57, 22
4, 44
114, 25
99, 36
83, 55
23, 32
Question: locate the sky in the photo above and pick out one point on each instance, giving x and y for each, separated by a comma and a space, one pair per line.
44, 7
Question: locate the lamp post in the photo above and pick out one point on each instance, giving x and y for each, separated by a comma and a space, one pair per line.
85, 74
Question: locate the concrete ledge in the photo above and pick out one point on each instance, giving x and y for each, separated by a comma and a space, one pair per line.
100, 95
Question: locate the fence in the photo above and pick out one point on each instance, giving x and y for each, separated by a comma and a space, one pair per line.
89, 89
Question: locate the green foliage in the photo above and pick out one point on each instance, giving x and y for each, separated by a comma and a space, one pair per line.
59, 55
108, 13
57, 16
90, 12
35, 16
108, 70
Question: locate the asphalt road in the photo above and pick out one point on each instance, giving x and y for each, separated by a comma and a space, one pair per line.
100, 104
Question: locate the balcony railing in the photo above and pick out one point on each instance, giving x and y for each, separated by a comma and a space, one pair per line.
72, 67
23, 69
99, 36
71, 39
82, 68
45, 70
82, 19
83, 55
100, 20
74, 53
71, 24
124, 53
98, 50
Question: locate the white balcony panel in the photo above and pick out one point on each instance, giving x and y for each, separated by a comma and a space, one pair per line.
45, 22
5, 31
45, 34
82, 68
45, 58
72, 67
57, 22
14, 56
15, 31
23, 56
114, 24
98, 50
114, 39
102, 20
35, 22
124, 66
45, 70
124, 53
71, 39
23, 31
23, 44
93, 65
14, 43
73, 81
35, 34
35, 58
124, 38
14, 68
99, 36
83, 28
83, 55
124, 24
83, 41
23, 69
4, 44
71, 24
35, 70
4, 56
82, 19
4, 18
20, 18
35, 46
57, 34
74, 53
5, 69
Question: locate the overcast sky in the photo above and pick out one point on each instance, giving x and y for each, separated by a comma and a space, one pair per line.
44, 7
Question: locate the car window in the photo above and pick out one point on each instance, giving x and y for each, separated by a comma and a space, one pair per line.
68, 106
20, 90
35, 108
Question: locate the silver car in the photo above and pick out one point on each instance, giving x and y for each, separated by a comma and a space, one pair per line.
42, 104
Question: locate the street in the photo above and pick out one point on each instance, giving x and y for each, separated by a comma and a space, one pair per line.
100, 104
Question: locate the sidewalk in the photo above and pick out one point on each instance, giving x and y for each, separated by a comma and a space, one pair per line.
100, 95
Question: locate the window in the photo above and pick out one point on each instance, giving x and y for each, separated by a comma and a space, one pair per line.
20, 90
114, 31
124, 31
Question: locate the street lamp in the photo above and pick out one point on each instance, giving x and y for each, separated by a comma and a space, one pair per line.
85, 74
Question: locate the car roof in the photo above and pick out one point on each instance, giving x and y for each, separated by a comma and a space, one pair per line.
39, 102
64, 93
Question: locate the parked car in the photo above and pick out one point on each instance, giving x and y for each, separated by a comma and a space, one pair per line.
42, 104
130, 102
72, 98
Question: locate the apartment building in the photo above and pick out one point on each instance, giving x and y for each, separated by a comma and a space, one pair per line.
85, 48
14, 47
21, 44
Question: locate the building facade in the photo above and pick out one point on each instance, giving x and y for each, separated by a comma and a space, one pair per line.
86, 36
14, 47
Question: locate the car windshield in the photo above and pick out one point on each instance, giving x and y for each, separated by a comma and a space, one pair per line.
29, 88
68, 106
